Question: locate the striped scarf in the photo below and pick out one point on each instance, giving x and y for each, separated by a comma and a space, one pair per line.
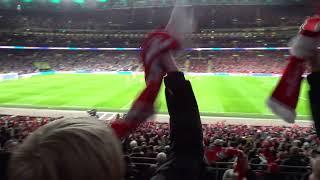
154, 47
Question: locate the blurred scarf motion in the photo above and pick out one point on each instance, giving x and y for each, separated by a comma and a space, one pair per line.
157, 45
284, 99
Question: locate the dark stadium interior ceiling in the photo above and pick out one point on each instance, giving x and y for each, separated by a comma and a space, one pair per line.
109, 4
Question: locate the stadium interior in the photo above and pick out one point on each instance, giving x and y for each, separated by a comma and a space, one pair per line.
69, 58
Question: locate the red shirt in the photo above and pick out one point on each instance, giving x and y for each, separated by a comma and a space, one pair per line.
213, 154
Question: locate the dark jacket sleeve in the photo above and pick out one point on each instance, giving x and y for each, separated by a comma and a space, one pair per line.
4, 161
185, 160
314, 96
185, 124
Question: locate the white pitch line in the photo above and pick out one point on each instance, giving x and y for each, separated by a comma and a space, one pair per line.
240, 113
238, 118
75, 107
112, 116
17, 104
236, 113
305, 99
104, 115
126, 105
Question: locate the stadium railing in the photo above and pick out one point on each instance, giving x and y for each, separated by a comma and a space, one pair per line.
285, 172
219, 168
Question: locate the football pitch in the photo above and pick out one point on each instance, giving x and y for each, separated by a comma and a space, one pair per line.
233, 96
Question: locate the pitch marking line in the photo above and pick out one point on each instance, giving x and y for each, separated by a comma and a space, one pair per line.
240, 113
18, 104
112, 117
302, 98
104, 115
237, 118
76, 107
126, 106
237, 113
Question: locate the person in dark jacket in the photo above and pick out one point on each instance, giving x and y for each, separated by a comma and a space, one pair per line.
314, 99
314, 93
186, 158
295, 159
4, 159
312, 30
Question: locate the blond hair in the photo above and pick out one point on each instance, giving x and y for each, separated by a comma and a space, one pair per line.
69, 149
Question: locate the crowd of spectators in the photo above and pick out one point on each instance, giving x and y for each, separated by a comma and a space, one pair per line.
149, 18
133, 39
13, 129
249, 62
24, 61
127, 28
68, 40
270, 150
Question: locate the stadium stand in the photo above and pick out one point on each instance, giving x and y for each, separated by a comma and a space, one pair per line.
131, 19
246, 26
133, 40
289, 148
18, 127
24, 61
272, 152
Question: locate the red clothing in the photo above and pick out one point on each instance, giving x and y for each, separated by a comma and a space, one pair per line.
268, 155
219, 153
213, 154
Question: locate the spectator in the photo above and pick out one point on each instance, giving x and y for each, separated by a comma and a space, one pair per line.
214, 152
133, 144
69, 149
295, 159
29, 61
315, 175
229, 175
10, 145
4, 159
161, 158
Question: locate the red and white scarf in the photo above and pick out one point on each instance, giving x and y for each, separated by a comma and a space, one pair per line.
155, 46
284, 99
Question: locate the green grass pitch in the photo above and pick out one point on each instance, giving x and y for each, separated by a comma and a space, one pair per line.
216, 95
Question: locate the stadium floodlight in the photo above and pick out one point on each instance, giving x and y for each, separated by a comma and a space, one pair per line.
79, 1
55, 1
